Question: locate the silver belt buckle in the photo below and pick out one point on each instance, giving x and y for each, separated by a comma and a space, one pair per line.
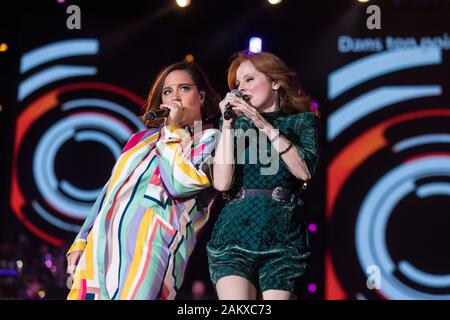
276, 194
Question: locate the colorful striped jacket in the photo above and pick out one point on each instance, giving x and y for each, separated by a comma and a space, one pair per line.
140, 232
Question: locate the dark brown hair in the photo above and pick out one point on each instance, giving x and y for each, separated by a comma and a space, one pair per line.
210, 107
291, 98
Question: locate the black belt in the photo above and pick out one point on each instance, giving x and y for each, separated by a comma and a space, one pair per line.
279, 194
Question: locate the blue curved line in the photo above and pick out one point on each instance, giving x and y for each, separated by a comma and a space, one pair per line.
49, 144
50, 150
86, 195
90, 103
102, 138
433, 189
53, 220
50, 75
58, 50
370, 228
372, 101
421, 140
424, 278
44, 174
379, 64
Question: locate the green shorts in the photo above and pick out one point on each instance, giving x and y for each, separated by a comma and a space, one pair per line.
271, 269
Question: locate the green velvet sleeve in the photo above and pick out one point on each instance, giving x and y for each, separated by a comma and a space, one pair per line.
303, 131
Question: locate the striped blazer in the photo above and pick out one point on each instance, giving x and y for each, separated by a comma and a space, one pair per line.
141, 230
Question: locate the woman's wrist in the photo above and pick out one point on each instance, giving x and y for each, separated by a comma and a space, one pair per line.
289, 145
271, 132
280, 143
227, 125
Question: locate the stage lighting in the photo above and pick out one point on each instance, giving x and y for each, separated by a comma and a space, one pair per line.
189, 58
312, 227
255, 44
363, 1
312, 287
314, 106
3, 47
41, 294
183, 3
274, 1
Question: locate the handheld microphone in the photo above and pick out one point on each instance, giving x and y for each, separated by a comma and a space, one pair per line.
158, 114
228, 113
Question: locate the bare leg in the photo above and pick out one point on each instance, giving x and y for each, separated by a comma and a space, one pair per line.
278, 295
235, 288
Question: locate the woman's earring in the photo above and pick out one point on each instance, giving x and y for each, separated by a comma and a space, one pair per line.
275, 86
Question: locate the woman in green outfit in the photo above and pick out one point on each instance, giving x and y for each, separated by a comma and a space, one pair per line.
259, 243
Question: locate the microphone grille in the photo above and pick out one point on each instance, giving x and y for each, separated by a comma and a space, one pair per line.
150, 116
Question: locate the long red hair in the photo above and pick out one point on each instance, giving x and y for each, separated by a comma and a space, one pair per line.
291, 98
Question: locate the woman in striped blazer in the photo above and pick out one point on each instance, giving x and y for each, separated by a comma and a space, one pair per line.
137, 238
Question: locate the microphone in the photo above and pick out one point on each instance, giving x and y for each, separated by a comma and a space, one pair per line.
158, 114
228, 113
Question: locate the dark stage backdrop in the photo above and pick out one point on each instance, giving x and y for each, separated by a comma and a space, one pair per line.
388, 164
377, 209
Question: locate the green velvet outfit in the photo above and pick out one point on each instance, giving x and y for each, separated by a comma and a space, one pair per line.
258, 237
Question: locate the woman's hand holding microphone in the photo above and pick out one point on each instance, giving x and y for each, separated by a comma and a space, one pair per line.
176, 112
240, 107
